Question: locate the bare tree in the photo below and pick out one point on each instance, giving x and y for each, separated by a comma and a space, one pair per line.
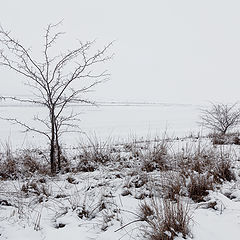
220, 117
53, 82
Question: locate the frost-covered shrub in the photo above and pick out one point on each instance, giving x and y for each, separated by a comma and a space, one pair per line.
230, 138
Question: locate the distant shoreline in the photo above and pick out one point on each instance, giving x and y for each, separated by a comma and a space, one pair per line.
5, 103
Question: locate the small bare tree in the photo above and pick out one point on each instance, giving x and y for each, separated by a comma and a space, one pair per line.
220, 117
53, 82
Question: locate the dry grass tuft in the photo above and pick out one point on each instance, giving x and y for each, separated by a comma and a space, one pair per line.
222, 171
94, 154
155, 157
22, 164
198, 186
173, 185
165, 219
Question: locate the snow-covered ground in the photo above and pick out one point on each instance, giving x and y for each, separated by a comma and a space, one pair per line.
100, 205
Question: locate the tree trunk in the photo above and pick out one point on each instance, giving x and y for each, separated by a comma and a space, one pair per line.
225, 130
58, 152
52, 146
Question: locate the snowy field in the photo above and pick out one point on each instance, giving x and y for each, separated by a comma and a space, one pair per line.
118, 122
104, 204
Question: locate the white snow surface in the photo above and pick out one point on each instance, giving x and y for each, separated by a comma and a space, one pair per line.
222, 224
207, 224
119, 121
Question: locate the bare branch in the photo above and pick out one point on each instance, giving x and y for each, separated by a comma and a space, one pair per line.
221, 117
31, 101
27, 128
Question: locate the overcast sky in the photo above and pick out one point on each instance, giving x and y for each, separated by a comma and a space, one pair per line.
182, 51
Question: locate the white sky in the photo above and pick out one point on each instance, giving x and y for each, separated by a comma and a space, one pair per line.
176, 51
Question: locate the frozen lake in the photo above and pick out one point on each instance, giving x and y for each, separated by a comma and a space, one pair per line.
115, 121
